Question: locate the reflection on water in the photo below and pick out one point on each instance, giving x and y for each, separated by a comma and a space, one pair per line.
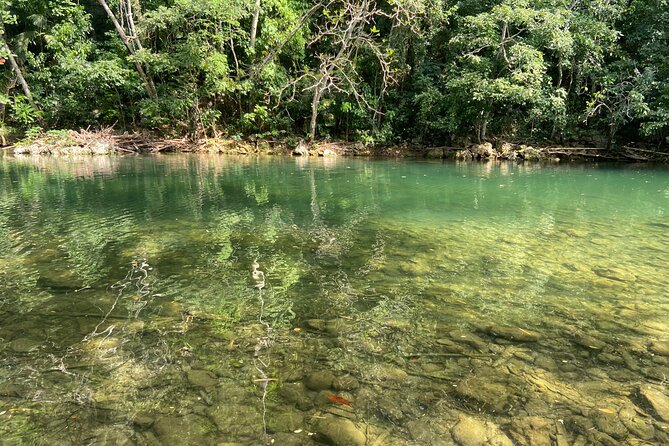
208, 300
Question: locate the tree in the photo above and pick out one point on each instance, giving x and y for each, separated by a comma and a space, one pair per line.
5, 51
132, 43
347, 30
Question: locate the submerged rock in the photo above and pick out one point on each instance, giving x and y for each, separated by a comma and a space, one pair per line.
513, 333
237, 421
614, 274
388, 373
345, 383
187, 430
334, 327
288, 421
638, 426
468, 338
588, 341
492, 396
340, 432
319, 380
470, 431
657, 400
660, 348
202, 378
297, 395
532, 431
24, 345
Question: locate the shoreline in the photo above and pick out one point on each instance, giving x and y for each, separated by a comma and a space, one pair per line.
101, 143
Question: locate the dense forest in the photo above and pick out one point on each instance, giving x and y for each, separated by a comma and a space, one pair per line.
375, 71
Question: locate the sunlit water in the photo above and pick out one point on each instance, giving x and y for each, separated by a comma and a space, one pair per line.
218, 300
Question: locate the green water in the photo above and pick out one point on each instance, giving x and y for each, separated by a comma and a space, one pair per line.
220, 300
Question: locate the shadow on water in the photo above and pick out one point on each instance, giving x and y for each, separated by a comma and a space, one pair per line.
208, 300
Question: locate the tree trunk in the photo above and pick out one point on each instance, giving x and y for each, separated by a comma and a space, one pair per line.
254, 24
148, 83
502, 41
315, 102
19, 75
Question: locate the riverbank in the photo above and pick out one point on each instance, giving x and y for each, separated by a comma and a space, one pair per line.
105, 142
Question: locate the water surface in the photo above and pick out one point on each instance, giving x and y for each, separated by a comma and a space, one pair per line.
221, 300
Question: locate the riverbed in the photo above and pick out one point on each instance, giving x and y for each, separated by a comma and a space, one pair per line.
199, 299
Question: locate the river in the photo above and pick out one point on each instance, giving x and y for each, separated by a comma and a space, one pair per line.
187, 299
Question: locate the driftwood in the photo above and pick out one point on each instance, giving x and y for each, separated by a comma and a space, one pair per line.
141, 144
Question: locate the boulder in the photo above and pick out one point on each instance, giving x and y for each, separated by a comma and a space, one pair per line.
483, 151
508, 151
435, 154
530, 153
301, 150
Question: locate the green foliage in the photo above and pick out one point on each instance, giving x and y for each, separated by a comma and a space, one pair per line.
426, 69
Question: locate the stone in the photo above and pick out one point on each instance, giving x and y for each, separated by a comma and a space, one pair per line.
281, 439
609, 424
297, 395
333, 327
450, 346
287, 421
12, 390
470, 431
143, 420
237, 421
493, 396
345, 383
659, 348
301, 150
588, 341
340, 432
24, 345
514, 333
616, 274
468, 338
463, 155
328, 153
435, 154
184, 431
202, 378
638, 426
388, 373
319, 380
657, 400
483, 151
530, 153
389, 408
507, 151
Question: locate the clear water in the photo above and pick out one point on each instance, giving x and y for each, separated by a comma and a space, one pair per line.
211, 300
